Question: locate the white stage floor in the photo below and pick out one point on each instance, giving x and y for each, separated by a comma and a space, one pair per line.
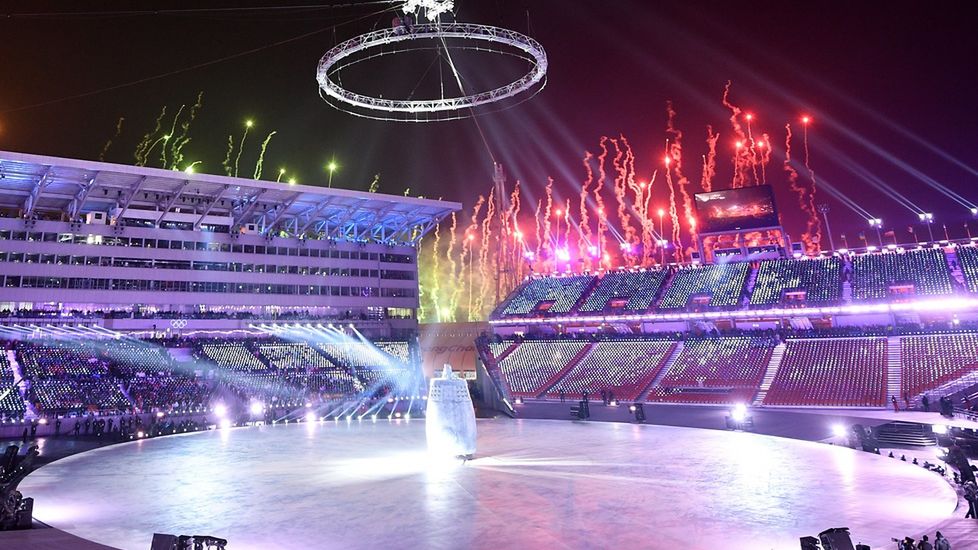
534, 484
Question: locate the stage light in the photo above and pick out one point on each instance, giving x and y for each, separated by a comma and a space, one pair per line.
939, 429
739, 412
974, 211
529, 255
310, 416
397, 415
256, 407
140, 435
838, 430
563, 254
225, 424
159, 414
220, 410
42, 421
631, 408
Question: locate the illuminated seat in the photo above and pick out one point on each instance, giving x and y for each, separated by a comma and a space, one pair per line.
831, 372
722, 283
716, 370
819, 279
921, 272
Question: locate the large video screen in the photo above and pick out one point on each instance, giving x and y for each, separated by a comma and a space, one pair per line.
736, 209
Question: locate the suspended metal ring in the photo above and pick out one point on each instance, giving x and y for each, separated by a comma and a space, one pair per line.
425, 110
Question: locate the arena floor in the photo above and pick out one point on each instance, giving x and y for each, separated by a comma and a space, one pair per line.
533, 484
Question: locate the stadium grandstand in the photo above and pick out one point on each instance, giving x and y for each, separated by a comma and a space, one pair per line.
845, 329
129, 289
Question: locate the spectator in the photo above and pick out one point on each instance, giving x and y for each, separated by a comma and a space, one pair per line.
925, 544
941, 543
971, 495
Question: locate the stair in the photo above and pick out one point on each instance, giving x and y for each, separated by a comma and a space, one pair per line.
125, 393
777, 354
553, 380
905, 433
847, 292
749, 285
894, 371
670, 361
20, 382
953, 266
505, 354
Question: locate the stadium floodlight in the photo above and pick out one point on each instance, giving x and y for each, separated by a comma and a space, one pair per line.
739, 413
310, 416
256, 407
838, 430
220, 410
875, 222
939, 429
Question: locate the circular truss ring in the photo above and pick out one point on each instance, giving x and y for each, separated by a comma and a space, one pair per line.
437, 109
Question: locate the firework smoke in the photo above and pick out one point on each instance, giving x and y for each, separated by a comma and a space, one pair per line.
108, 144
261, 155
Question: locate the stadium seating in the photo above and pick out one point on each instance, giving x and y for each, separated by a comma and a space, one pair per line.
926, 270
559, 293
11, 403
58, 359
169, 393
636, 289
831, 372
293, 355
819, 278
534, 362
231, 355
62, 395
623, 367
928, 361
715, 371
723, 283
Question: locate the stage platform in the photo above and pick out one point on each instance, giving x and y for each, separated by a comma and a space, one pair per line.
533, 484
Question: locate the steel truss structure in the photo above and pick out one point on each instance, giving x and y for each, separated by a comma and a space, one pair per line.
424, 110
34, 186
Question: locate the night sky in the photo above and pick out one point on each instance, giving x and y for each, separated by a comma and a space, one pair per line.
892, 80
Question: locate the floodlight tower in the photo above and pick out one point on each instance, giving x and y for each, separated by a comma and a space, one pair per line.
878, 224
824, 209
928, 218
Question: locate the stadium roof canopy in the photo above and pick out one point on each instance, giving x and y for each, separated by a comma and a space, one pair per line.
39, 186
